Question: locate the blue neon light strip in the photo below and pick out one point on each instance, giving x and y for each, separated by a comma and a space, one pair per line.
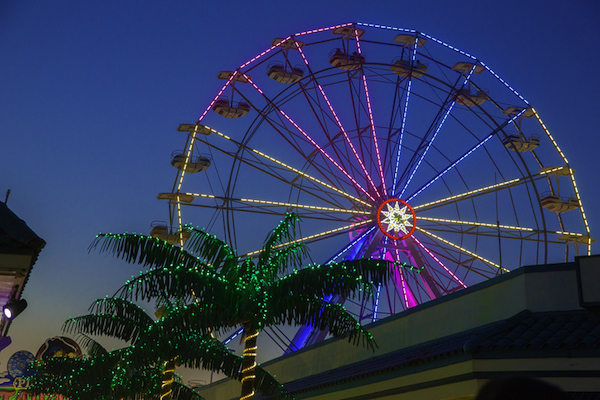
455, 163
392, 28
233, 336
395, 181
354, 242
452, 48
464, 53
504, 83
376, 303
439, 128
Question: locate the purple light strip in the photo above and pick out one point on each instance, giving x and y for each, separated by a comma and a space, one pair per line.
439, 262
263, 53
439, 128
364, 78
310, 139
217, 96
253, 84
488, 137
404, 116
326, 155
339, 123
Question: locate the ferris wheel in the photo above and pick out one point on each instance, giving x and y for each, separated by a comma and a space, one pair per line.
388, 143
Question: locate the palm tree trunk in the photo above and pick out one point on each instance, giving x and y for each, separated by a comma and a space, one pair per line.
168, 376
249, 364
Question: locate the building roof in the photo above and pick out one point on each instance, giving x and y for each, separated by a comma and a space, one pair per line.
579, 329
16, 235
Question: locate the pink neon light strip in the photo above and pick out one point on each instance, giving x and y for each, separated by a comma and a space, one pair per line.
326, 155
263, 53
217, 96
253, 84
399, 278
439, 262
339, 123
309, 138
364, 78
323, 29
409, 297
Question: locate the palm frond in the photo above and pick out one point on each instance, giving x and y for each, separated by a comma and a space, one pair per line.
104, 324
199, 285
144, 250
323, 315
345, 279
211, 250
210, 354
90, 346
285, 258
201, 318
182, 392
283, 233
122, 308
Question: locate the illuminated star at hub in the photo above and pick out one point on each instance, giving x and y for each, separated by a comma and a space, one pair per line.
397, 219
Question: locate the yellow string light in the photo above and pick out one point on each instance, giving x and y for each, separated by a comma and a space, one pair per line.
585, 222
452, 221
315, 236
295, 170
457, 196
462, 249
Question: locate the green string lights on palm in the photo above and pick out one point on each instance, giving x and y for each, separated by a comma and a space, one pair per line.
222, 290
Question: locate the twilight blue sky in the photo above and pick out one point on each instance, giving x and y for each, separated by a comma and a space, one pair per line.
91, 93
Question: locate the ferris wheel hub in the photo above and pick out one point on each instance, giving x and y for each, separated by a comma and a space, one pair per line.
396, 219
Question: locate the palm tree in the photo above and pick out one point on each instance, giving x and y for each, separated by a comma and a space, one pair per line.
223, 290
145, 369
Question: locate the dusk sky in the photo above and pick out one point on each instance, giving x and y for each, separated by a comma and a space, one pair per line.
91, 94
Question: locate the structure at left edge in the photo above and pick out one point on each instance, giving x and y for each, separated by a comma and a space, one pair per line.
19, 250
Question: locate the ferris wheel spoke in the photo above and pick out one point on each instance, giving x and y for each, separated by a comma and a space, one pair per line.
462, 249
318, 236
437, 130
260, 208
503, 232
324, 153
404, 117
439, 262
477, 192
280, 204
461, 158
479, 224
274, 171
289, 168
339, 124
370, 110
